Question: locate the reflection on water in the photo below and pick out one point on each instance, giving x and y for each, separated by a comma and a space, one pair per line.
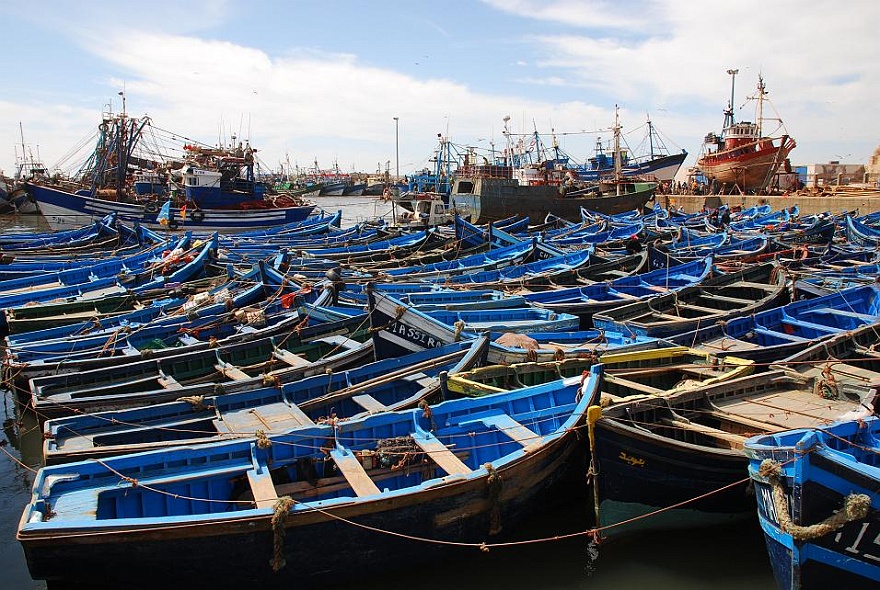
732, 557
22, 435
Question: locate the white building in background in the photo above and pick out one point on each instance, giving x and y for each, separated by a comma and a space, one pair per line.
872, 169
835, 173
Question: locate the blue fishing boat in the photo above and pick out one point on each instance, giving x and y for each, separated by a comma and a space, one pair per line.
321, 392
590, 299
280, 508
499, 257
177, 267
776, 333
818, 503
399, 328
719, 298
220, 188
676, 460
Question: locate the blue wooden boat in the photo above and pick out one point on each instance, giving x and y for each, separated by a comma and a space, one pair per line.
316, 396
375, 249
112, 267
733, 249
221, 191
215, 321
584, 238
467, 471
818, 503
530, 274
587, 300
177, 268
510, 319
399, 329
499, 257
292, 328
673, 461
718, 298
427, 298
774, 334
133, 311
237, 366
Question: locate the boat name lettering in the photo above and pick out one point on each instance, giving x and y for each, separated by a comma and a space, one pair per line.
633, 461
863, 533
414, 335
765, 500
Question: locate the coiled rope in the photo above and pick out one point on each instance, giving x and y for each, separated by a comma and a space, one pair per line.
855, 507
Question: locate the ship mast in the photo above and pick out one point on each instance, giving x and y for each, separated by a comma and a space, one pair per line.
762, 90
617, 163
728, 113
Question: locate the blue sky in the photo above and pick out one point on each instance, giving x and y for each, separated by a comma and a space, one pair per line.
324, 80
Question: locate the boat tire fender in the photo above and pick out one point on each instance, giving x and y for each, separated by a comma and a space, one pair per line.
173, 225
151, 207
198, 215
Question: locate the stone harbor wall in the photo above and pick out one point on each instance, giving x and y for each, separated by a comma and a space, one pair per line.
808, 202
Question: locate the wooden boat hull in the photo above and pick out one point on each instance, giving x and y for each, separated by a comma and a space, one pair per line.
640, 474
339, 534
749, 171
813, 486
719, 298
483, 200
65, 210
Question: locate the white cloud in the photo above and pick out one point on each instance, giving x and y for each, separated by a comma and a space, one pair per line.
572, 61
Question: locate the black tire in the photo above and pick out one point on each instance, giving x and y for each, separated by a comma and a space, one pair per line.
198, 216
151, 207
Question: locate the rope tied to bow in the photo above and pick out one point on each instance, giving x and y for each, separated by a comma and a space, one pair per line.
855, 507
459, 327
495, 485
263, 441
282, 507
196, 401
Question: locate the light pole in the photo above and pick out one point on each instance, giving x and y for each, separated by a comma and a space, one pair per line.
397, 149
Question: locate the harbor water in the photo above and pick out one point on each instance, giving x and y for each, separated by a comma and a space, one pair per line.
558, 555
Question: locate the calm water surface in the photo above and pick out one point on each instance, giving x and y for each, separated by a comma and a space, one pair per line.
732, 557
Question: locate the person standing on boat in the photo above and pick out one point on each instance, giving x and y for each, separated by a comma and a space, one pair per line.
633, 245
337, 284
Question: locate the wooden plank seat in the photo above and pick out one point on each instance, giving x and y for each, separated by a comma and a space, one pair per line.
778, 334
622, 294
439, 453
762, 286
728, 299
516, 431
369, 403
270, 417
728, 343
187, 340
262, 488
709, 310
288, 358
732, 440
231, 371
640, 387
354, 472
168, 382
422, 379
340, 341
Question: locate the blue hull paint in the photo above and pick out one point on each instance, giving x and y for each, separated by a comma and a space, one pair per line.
818, 470
66, 210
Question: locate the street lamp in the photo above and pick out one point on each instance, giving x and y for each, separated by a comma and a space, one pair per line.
397, 149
